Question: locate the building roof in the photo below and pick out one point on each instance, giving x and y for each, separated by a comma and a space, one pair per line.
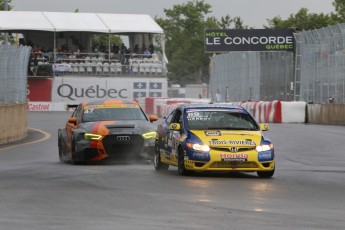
17, 21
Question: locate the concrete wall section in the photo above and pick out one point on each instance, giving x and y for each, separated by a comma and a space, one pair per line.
328, 114
14, 122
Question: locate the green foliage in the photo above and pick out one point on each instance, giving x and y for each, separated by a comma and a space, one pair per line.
100, 40
184, 28
303, 20
339, 6
2, 4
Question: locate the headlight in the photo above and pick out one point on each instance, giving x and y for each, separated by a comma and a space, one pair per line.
91, 136
204, 148
262, 148
150, 135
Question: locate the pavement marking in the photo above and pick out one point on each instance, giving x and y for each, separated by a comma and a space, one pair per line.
46, 136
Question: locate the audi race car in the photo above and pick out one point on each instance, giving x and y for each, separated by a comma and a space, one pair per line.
110, 129
213, 137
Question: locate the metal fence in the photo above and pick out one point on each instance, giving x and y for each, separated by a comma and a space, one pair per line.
238, 76
13, 73
320, 65
315, 73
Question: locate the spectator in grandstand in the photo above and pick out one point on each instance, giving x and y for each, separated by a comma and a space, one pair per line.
143, 48
72, 56
146, 53
136, 49
116, 48
123, 49
37, 50
151, 48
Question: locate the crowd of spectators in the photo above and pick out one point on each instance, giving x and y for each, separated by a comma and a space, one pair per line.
63, 54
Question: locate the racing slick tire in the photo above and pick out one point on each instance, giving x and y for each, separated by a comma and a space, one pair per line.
73, 153
180, 163
159, 166
265, 174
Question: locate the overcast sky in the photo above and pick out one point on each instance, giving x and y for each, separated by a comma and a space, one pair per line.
253, 12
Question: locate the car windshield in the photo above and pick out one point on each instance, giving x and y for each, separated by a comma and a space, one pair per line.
222, 119
107, 114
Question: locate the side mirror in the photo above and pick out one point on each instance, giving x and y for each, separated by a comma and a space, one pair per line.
72, 120
264, 126
153, 118
175, 126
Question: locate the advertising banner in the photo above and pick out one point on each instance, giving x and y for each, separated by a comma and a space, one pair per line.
39, 89
39, 106
77, 89
249, 40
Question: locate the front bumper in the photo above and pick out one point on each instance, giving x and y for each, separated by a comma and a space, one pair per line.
220, 161
115, 148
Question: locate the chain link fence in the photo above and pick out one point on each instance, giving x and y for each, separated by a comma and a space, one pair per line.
238, 76
320, 65
315, 73
14, 62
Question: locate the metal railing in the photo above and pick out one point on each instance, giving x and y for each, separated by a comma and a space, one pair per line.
13, 73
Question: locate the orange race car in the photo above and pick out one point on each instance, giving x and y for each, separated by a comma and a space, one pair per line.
112, 129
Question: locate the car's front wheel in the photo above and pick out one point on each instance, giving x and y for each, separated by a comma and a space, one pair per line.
265, 174
60, 151
180, 163
159, 166
73, 154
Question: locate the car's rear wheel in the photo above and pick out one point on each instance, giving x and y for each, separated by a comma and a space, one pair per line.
180, 163
159, 166
265, 174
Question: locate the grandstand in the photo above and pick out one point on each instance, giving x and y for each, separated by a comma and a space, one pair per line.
62, 48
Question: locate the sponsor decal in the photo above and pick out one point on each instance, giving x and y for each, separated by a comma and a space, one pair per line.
236, 133
265, 156
39, 106
232, 142
200, 156
233, 157
91, 107
213, 133
196, 116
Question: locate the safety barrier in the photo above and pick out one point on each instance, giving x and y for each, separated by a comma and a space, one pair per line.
14, 122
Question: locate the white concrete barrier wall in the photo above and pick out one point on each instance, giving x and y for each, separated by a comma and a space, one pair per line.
293, 112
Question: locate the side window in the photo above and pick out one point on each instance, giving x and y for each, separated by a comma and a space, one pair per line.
77, 113
177, 116
168, 119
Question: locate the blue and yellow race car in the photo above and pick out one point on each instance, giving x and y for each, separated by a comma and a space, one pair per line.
213, 137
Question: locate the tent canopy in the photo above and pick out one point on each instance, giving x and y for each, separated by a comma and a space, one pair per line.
83, 22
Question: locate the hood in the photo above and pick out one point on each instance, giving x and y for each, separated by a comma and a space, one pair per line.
229, 138
118, 127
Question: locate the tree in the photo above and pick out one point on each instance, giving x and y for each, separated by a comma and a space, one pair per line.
2, 5
303, 20
184, 28
339, 6
102, 40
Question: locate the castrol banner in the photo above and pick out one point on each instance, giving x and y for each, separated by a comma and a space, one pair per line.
76, 89
39, 106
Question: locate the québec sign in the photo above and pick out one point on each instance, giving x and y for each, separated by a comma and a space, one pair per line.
249, 40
